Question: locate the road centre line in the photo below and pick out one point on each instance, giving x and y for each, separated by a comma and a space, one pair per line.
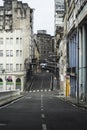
44, 126
42, 109
2, 124
41, 106
41, 99
42, 115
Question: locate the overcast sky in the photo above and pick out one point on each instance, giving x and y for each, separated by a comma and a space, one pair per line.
43, 14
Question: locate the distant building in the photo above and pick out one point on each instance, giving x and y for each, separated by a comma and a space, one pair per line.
44, 42
59, 11
16, 30
58, 19
36, 55
60, 47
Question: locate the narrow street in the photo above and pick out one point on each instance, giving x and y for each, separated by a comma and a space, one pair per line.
42, 82
42, 109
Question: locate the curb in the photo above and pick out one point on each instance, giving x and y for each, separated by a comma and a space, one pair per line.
3, 103
71, 102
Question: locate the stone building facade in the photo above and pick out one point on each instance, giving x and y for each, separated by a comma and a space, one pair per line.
44, 42
60, 44
16, 30
76, 37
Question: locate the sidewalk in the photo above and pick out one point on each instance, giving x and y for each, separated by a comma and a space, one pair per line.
5, 99
71, 100
74, 101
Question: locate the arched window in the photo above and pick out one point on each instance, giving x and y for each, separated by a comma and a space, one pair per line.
1, 80
1, 84
18, 83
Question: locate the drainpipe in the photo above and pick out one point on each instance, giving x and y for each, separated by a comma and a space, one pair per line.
78, 65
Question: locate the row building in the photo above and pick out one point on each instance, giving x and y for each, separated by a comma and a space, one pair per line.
16, 30
45, 45
74, 39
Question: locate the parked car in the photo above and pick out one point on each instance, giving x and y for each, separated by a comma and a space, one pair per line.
43, 65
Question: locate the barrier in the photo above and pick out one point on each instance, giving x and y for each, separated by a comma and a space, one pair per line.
8, 96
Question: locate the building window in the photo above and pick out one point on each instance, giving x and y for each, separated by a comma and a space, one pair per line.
7, 53
7, 41
11, 41
11, 67
17, 67
1, 41
17, 40
7, 67
20, 66
1, 66
11, 52
1, 12
17, 52
20, 52
1, 53
20, 41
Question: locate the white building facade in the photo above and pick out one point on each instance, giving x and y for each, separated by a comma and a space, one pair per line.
15, 43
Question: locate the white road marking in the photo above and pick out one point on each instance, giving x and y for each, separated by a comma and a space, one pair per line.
44, 126
42, 109
49, 90
73, 105
41, 106
27, 97
41, 99
42, 115
2, 124
39, 90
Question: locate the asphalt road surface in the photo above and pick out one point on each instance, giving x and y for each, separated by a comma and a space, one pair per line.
42, 82
42, 110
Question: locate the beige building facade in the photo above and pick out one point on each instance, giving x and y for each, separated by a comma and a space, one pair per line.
15, 43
